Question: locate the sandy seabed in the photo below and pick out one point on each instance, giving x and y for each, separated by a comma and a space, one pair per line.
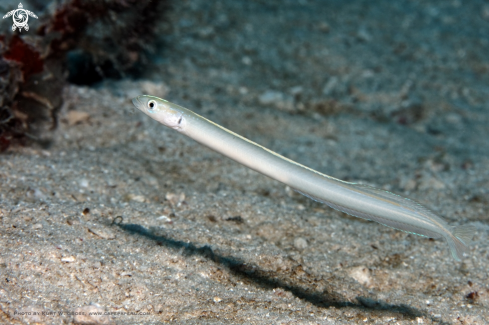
121, 220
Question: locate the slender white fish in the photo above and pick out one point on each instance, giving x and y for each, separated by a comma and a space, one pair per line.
358, 200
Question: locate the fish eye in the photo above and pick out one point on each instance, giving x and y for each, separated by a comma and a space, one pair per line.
152, 105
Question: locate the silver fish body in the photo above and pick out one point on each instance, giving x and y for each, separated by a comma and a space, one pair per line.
354, 199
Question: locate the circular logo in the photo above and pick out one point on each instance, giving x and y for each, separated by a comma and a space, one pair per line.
20, 18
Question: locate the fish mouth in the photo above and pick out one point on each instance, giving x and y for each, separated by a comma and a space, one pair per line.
136, 102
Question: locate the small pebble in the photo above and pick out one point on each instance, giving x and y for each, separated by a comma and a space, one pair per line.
300, 243
270, 97
364, 36
137, 198
77, 117
324, 27
361, 274
83, 182
246, 60
68, 259
36, 226
154, 88
175, 199
297, 90
277, 99
330, 86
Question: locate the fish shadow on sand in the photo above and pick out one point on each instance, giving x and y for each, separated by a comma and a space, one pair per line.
288, 281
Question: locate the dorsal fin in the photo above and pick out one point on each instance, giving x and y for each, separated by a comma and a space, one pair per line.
401, 201
399, 225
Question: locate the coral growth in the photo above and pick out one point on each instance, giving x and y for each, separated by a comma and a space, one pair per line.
17, 64
85, 40
25, 55
102, 38
10, 77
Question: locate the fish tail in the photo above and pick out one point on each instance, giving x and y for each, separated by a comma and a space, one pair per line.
465, 233
458, 240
